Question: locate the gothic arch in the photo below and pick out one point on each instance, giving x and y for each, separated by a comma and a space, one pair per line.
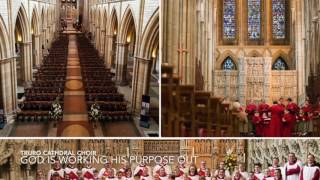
114, 23
104, 19
282, 62
24, 22
35, 22
223, 56
229, 63
254, 53
4, 41
127, 19
150, 36
284, 56
97, 17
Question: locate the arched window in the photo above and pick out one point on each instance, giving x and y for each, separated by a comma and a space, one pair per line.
280, 64
229, 19
279, 19
254, 19
228, 64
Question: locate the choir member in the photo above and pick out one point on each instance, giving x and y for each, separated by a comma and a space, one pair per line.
56, 172
250, 110
145, 175
207, 174
221, 175
107, 171
243, 172
139, 169
292, 107
258, 175
178, 172
275, 166
238, 176
222, 166
288, 123
164, 165
276, 117
162, 174
88, 172
119, 176
310, 171
193, 174
72, 171
263, 107
292, 168
202, 169
258, 123
182, 165
267, 175
40, 175
278, 174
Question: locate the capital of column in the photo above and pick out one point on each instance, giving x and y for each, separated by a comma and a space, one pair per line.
109, 35
143, 60
103, 30
6, 60
36, 35
122, 44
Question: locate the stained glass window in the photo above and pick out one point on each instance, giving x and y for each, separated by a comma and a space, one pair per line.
279, 19
254, 19
280, 64
229, 19
228, 64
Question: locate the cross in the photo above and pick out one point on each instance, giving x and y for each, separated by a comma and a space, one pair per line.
181, 51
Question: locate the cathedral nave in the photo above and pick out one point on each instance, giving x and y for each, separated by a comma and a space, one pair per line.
79, 68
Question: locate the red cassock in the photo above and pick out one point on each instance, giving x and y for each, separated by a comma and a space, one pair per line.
288, 125
263, 107
275, 123
258, 122
250, 109
306, 109
293, 108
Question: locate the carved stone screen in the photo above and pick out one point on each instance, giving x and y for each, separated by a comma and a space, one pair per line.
284, 84
255, 80
226, 84
161, 148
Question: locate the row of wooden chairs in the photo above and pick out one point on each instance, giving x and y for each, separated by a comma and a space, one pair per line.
187, 112
99, 87
48, 85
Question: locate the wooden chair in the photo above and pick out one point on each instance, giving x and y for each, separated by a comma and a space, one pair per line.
185, 116
201, 109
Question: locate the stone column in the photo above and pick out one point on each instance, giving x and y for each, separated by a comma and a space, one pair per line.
121, 64
242, 80
37, 49
27, 61
141, 82
267, 79
8, 87
108, 50
11, 168
102, 39
97, 39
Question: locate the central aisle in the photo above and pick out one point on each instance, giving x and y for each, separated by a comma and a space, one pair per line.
75, 118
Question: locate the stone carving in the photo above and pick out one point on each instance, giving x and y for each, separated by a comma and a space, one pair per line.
255, 80
264, 150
